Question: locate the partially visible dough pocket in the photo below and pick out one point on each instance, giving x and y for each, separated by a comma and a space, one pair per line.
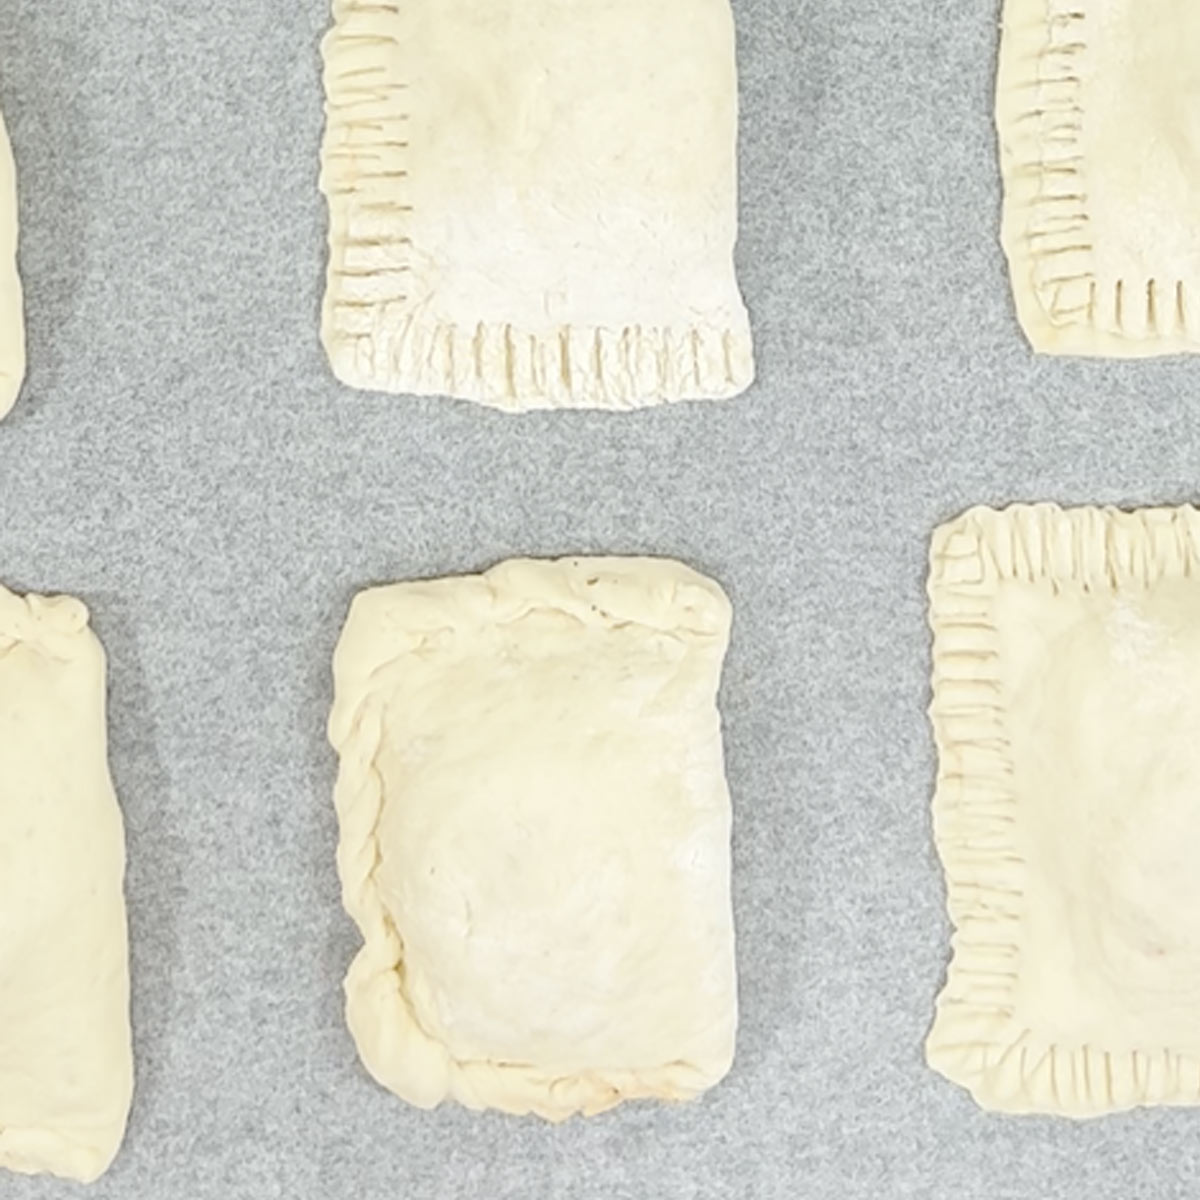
12, 313
1097, 107
66, 1065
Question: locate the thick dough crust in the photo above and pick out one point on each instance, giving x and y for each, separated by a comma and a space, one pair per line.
1066, 696
533, 203
12, 315
66, 1063
535, 835
1100, 151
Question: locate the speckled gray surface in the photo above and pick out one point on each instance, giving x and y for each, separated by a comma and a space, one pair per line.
182, 459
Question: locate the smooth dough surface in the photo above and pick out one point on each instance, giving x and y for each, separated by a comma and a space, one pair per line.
66, 1064
533, 202
1066, 702
535, 835
1098, 109
12, 315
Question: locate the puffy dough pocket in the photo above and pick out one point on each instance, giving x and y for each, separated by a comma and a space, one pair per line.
535, 835
66, 1063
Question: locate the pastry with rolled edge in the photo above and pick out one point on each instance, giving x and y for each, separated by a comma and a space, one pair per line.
535, 835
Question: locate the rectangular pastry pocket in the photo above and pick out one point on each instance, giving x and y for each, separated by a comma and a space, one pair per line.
1066, 700
535, 835
1100, 148
66, 1062
533, 203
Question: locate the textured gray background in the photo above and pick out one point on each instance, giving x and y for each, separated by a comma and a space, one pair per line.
182, 459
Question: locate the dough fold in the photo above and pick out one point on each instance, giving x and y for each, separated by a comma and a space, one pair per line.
66, 1065
535, 835
517, 215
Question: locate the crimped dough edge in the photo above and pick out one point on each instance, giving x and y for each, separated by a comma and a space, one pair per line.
385, 625
1046, 230
976, 1040
384, 344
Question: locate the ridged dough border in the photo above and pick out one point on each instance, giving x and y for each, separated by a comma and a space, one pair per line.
977, 1039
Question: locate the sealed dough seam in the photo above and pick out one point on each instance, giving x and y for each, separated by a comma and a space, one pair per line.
376, 334
1040, 119
1059, 229
977, 1039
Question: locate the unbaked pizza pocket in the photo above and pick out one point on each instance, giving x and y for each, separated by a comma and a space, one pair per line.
1066, 699
1098, 109
533, 204
66, 1061
535, 835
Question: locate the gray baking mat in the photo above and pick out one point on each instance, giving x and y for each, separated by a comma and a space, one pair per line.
182, 459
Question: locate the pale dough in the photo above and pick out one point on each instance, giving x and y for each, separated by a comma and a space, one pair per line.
12, 316
1066, 704
535, 835
66, 1065
1098, 108
533, 202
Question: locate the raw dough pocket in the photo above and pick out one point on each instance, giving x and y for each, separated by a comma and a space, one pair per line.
1098, 108
66, 1065
535, 835
1066, 704
12, 314
533, 202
